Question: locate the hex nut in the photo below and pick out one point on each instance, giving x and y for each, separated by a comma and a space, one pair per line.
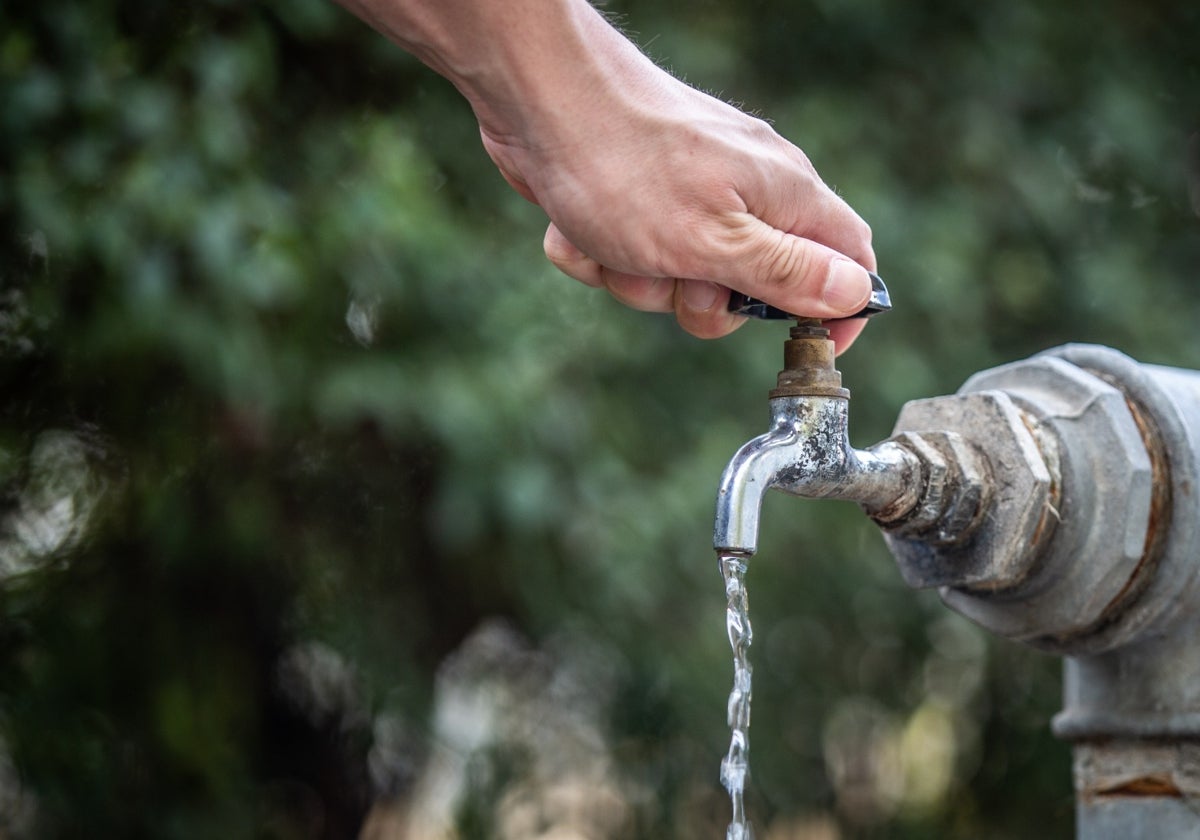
1088, 567
953, 493
927, 511
1002, 549
965, 506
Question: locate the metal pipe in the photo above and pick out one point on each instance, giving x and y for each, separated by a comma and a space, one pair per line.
1108, 576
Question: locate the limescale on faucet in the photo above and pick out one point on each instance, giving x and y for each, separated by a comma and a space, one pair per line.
735, 766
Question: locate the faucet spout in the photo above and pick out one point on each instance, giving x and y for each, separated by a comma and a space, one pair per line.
806, 452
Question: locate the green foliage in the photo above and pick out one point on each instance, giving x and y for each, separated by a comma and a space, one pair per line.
257, 252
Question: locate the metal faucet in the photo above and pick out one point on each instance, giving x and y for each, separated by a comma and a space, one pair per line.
807, 452
930, 485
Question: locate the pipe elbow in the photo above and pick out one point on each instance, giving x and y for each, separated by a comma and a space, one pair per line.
753, 470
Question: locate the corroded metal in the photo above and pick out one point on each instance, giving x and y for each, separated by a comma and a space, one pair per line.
1115, 587
1072, 478
806, 450
956, 491
1018, 515
932, 489
808, 369
1134, 788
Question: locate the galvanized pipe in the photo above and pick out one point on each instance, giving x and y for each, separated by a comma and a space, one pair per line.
1133, 710
1113, 583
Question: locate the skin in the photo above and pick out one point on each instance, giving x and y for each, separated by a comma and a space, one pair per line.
662, 195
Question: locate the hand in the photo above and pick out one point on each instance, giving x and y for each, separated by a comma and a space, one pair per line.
667, 198
661, 194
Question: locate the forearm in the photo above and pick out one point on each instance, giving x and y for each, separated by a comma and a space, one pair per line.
522, 64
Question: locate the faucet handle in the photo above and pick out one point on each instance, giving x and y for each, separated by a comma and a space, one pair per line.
742, 304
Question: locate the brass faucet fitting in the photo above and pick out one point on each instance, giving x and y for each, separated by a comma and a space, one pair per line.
808, 364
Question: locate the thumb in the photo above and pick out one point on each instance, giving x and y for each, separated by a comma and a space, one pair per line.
798, 275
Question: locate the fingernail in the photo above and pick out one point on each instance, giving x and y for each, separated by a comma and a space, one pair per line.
699, 295
847, 287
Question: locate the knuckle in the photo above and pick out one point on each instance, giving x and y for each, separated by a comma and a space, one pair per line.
782, 263
707, 326
558, 250
761, 130
864, 232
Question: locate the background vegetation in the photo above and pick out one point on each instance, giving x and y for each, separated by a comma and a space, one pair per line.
296, 418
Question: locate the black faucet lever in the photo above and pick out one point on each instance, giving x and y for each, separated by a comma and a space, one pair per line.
742, 304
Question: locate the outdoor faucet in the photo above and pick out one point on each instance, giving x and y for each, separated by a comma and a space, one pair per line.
807, 452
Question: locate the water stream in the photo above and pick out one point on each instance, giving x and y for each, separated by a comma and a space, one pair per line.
735, 766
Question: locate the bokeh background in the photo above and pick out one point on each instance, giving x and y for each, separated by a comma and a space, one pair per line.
330, 510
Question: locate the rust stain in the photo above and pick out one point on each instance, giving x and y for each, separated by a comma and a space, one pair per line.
1050, 516
1042, 523
1156, 786
1160, 505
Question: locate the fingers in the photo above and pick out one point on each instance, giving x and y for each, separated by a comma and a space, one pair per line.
787, 193
791, 272
570, 260
700, 306
821, 215
844, 332
647, 294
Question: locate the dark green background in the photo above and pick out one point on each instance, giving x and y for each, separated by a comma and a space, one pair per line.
196, 198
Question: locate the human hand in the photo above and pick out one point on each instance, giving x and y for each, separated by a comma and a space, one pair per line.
663, 195
667, 198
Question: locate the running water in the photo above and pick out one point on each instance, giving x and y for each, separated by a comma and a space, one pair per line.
735, 766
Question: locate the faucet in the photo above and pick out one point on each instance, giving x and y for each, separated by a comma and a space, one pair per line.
903, 483
807, 452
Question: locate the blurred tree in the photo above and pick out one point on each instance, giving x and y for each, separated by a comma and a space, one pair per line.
293, 405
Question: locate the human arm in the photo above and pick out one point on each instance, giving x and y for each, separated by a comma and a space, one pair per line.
663, 195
